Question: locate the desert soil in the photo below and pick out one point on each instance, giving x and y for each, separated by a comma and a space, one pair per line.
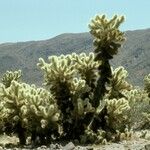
8, 143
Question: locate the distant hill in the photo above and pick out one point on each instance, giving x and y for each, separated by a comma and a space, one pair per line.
134, 55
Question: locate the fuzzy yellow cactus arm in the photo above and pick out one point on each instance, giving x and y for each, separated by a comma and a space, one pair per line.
10, 76
118, 83
147, 84
107, 36
81, 105
59, 69
42, 105
116, 113
77, 87
87, 67
14, 99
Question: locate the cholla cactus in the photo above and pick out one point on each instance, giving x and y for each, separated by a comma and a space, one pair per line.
68, 82
59, 69
87, 100
44, 113
58, 74
87, 67
147, 84
29, 108
118, 83
78, 81
2, 109
107, 40
10, 76
64, 68
115, 126
116, 113
15, 114
75, 107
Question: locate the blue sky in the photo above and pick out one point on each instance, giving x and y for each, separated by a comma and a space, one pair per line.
24, 20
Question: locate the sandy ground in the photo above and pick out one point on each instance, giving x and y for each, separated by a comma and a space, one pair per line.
140, 144
133, 144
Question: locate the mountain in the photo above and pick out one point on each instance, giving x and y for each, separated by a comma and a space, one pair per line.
134, 55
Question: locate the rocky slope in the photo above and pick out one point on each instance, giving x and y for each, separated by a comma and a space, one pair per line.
134, 55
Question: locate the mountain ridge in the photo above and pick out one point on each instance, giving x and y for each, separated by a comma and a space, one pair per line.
134, 55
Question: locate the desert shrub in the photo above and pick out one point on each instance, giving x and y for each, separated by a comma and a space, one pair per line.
70, 79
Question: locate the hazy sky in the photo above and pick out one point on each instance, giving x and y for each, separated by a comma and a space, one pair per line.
23, 20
